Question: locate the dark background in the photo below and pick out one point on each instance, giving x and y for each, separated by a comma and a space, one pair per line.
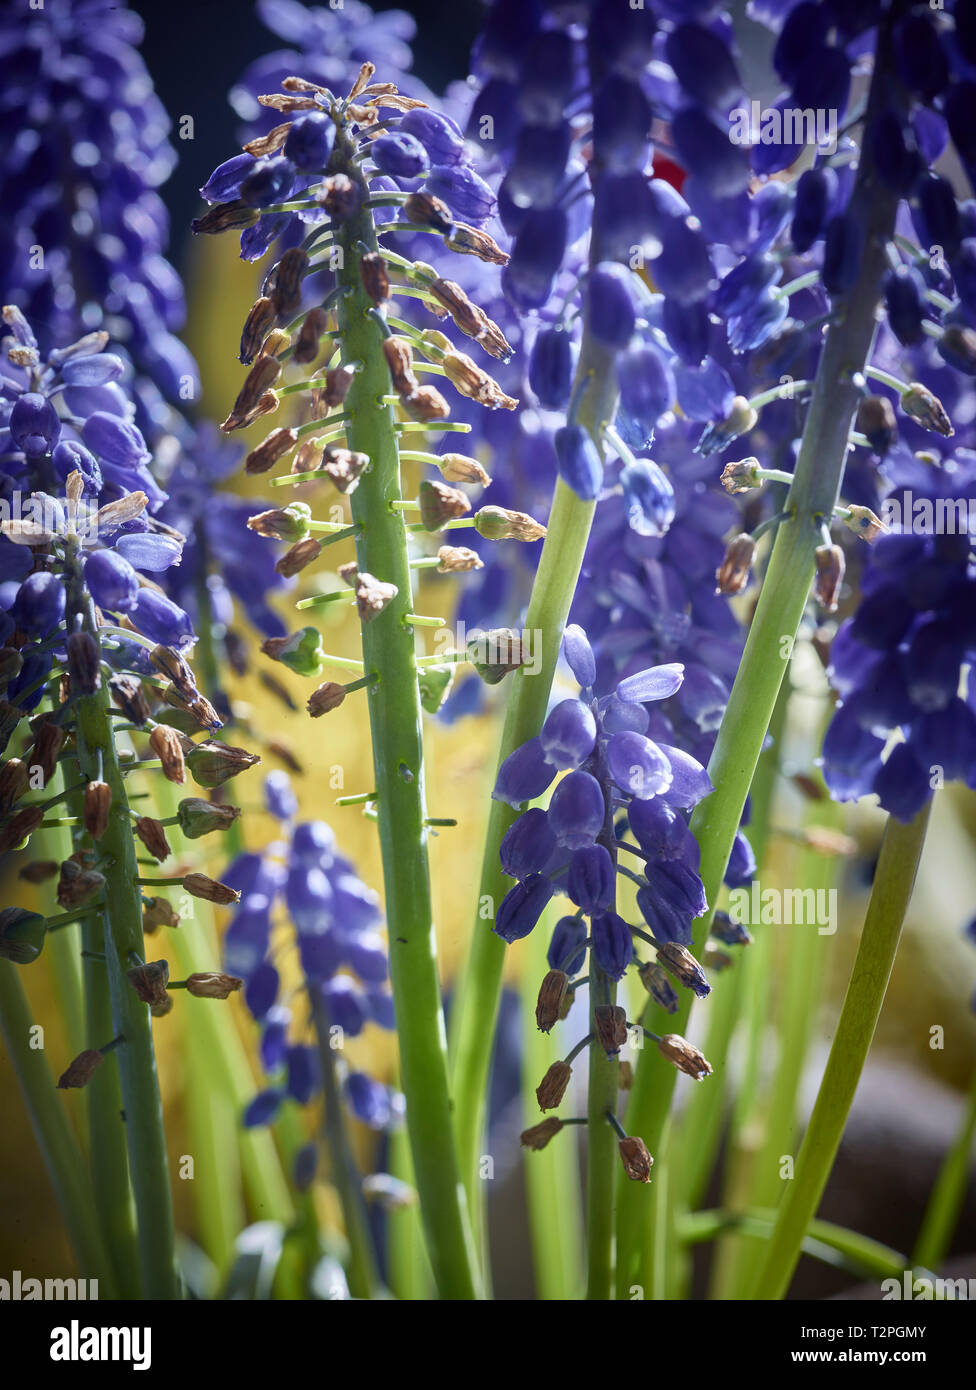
196, 52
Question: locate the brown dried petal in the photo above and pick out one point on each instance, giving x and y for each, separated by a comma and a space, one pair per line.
153, 835
167, 745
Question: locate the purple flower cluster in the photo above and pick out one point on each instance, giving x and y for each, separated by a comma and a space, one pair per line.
75, 471
342, 960
84, 229
616, 766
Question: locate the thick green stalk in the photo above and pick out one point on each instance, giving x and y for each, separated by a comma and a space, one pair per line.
893, 883
948, 1195
123, 941
475, 1012
552, 1178
833, 1245
769, 646
774, 1124
601, 1151
59, 1148
395, 722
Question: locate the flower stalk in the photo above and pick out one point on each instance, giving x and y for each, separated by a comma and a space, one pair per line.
769, 646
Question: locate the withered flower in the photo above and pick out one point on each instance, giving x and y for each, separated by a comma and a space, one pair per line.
201, 886
153, 835
440, 503
328, 696
168, 746
735, 571
538, 1136
636, 1159
212, 984
685, 1056
149, 980
97, 804
551, 994
552, 1087
79, 1072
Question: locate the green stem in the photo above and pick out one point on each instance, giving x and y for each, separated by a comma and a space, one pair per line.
945, 1203
58, 1146
475, 1011
122, 917
552, 1179
395, 724
769, 645
893, 883
833, 1245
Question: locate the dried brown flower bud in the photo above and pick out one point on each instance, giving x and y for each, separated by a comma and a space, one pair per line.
149, 980
375, 277
20, 828
78, 884
268, 144
161, 1009
81, 1070
830, 576
40, 871
48, 742
97, 804
153, 835
468, 378
685, 1056
270, 450
440, 503
500, 524
919, 402
552, 1087
459, 468
741, 476
372, 596
551, 994
876, 421
281, 523
158, 912
14, 776
680, 963
337, 383
200, 886
625, 1076
284, 281
302, 553
83, 663
309, 339
212, 984
735, 571
345, 467
426, 403
117, 513
717, 960
257, 326
128, 696
469, 241
538, 1136
635, 1158
454, 559
225, 217
610, 1025
327, 697
167, 745
864, 523
339, 196
251, 403
399, 359
427, 211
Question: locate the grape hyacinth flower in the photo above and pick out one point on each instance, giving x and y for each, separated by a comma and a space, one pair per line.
335, 923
